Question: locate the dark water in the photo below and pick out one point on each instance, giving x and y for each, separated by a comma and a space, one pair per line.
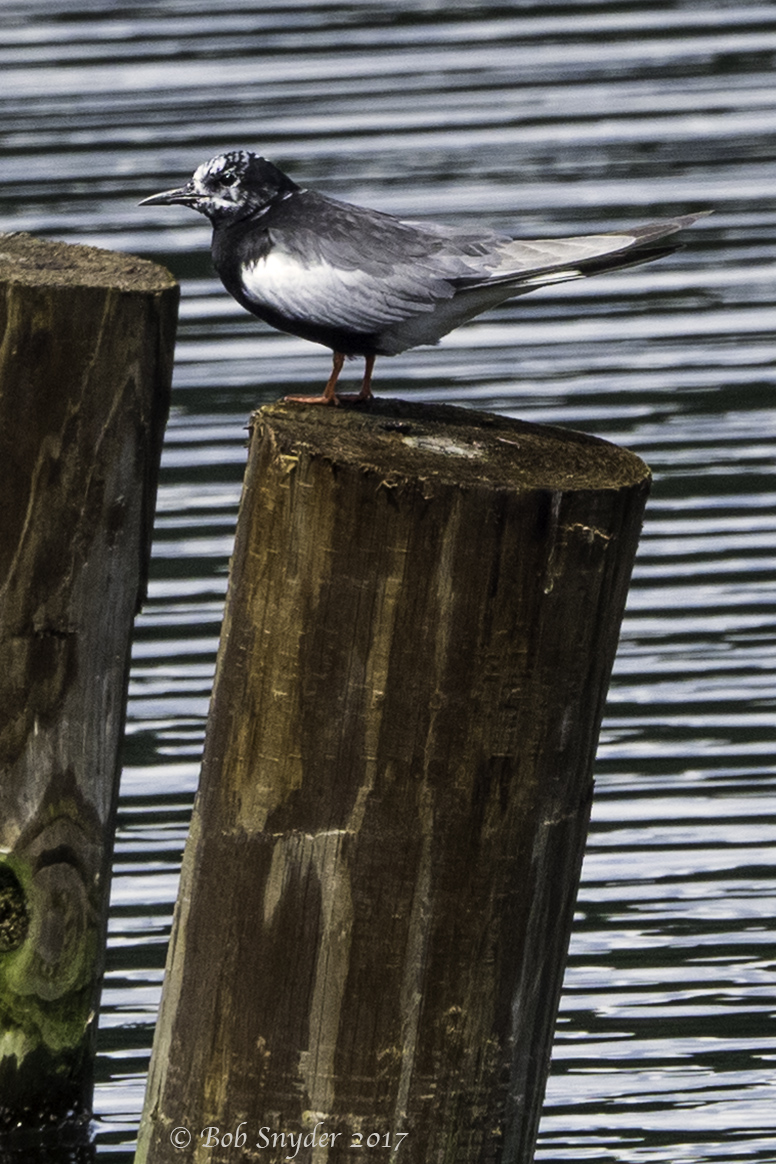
535, 119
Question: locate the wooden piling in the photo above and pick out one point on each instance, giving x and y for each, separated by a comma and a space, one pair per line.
85, 367
380, 878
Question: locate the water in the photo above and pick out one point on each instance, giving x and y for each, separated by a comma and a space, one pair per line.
552, 118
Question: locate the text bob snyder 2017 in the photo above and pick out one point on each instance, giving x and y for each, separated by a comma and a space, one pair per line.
267, 1137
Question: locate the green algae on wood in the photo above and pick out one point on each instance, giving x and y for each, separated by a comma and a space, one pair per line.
86, 343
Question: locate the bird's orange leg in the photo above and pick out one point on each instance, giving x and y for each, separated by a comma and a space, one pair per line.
366, 384
329, 396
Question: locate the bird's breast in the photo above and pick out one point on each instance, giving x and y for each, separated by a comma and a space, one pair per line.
282, 283
311, 299
310, 291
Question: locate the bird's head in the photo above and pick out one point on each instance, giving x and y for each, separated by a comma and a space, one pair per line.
229, 187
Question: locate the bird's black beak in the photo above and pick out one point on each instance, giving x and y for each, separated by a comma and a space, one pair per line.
184, 196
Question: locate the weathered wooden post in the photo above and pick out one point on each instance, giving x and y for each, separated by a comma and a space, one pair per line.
381, 873
85, 368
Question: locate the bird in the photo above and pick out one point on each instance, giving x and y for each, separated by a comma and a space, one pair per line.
365, 283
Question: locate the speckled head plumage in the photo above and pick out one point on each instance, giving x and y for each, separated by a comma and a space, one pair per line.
228, 188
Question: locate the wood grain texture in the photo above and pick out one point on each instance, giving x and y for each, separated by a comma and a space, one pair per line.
85, 367
380, 879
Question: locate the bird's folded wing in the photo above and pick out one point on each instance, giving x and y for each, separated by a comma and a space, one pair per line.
403, 269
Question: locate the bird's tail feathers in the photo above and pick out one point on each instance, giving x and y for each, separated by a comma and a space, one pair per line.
611, 251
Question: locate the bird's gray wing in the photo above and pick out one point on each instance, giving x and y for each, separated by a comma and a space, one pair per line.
335, 265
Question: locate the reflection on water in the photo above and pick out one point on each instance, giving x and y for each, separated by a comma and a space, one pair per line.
534, 119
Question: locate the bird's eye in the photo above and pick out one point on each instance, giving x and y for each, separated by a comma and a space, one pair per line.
228, 178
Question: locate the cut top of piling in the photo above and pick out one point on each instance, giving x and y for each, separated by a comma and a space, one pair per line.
401, 441
47, 263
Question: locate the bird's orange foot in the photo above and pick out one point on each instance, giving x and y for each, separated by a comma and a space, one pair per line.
332, 398
329, 395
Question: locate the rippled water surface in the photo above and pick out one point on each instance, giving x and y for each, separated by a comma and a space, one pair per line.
534, 119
